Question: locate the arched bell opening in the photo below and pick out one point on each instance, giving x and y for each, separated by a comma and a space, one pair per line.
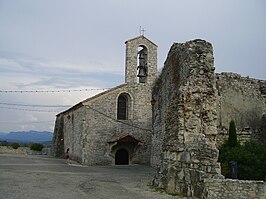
142, 64
121, 157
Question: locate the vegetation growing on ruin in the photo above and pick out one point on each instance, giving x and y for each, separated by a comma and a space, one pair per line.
250, 158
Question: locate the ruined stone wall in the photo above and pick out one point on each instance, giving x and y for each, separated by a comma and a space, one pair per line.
185, 119
262, 132
242, 136
241, 100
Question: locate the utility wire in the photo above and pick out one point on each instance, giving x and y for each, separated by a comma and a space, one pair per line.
138, 127
53, 91
36, 105
23, 122
34, 110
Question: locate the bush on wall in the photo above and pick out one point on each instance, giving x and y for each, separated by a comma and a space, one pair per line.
250, 158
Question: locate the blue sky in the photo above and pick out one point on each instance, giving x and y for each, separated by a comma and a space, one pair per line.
66, 44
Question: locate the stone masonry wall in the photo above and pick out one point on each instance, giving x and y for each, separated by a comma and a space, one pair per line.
73, 132
241, 100
242, 136
132, 59
58, 138
262, 131
230, 188
89, 127
185, 119
101, 129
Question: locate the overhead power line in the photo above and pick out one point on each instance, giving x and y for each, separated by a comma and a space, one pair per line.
53, 91
23, 122
34, 110
36, 105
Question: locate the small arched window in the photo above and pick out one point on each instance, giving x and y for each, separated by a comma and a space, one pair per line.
122, 107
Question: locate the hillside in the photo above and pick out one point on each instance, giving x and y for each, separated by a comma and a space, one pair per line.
27, 136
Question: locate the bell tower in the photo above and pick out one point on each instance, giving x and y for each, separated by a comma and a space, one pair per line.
141, 61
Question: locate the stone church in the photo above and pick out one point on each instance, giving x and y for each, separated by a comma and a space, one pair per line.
174, 122
114, 127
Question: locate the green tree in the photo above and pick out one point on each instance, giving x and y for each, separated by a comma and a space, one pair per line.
232, 139
36, 147
15, 145
250, 158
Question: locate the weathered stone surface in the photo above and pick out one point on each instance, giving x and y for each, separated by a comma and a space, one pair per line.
185, 96
229, 188
190, 119
58, 138
261, 135
240, 99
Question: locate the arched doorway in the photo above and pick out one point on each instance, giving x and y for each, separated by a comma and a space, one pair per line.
121, 157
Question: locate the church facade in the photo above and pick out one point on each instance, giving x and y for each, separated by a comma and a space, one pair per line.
174, 123
115, 126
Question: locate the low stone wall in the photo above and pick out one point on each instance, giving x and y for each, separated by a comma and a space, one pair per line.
10, 150
23, 150
242, 136
229, 188
239, 99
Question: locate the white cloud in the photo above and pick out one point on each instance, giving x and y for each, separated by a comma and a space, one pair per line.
44, 47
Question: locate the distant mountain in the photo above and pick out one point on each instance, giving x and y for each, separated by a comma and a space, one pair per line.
2, 134
27, 136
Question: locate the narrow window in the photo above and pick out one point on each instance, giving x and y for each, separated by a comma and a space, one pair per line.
122, 108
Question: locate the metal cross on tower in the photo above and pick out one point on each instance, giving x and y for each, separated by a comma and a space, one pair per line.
141, 31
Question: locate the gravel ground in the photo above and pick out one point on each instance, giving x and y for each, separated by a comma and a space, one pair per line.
43, 177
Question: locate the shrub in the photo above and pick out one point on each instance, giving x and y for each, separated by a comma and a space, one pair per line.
3, 143
250, 158
232, 140
15, 145
36, 147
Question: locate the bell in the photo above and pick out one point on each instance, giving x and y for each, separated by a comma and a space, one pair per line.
142, 73
141, 56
